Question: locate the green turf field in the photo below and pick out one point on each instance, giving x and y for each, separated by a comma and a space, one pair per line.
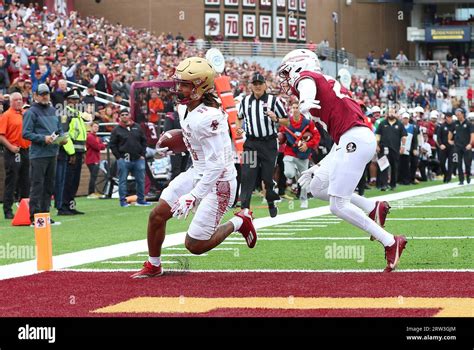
297, 245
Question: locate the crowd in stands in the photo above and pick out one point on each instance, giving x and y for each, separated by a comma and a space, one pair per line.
40, 47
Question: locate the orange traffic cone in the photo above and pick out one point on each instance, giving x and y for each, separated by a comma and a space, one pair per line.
22, 216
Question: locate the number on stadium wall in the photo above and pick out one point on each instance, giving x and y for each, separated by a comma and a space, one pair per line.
231, 25
265, 26
212, 2
265, 3
281, 28
293, 5
303, 5
231, 3
249, 22
248, 3
292, 29
302, 29
281, 4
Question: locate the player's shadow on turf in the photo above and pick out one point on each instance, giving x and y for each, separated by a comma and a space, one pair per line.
180, 267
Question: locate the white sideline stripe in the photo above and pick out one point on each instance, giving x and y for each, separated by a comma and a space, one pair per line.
273, 271
275, 233
458, 197
125, 249
295, 226
232, 243
187, 255
429, 219
135, 262
348, 238
282, 229
408, 206
185, 249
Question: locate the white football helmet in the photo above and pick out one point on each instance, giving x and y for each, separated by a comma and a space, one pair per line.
295, 62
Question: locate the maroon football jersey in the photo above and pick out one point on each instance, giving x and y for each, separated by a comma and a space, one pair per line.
339, 112
151, 132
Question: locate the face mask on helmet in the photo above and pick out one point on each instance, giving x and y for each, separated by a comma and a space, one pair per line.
294, 63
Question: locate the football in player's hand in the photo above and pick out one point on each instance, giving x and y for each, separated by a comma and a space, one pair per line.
173, 139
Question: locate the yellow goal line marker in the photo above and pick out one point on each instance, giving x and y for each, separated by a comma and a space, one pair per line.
449, 307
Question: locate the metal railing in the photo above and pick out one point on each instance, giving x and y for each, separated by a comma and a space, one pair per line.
106, 99
267, 49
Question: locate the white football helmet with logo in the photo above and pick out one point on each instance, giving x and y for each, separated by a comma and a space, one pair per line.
294, 63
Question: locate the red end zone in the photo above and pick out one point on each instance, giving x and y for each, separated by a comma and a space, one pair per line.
62, 294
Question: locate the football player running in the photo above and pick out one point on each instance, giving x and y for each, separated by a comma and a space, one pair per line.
208, 188
334, 179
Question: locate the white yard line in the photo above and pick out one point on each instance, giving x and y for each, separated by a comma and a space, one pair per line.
135, 262
405, 206
276, 271
275, 233
348, 238
125, 249
429, 219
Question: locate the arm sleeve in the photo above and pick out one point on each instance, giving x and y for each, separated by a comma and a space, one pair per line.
215, 164
314, 142
307, 89
95, 79
114, 144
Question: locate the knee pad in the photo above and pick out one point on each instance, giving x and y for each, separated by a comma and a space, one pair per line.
319, 186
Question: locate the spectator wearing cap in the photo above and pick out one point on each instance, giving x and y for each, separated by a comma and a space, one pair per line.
39, 75
463, 141
76, 149
128, 144
42, 126
391, 136
16, 158
445, 144
261, 112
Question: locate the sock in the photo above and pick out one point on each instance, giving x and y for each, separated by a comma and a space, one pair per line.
373, 179
155, 261
347, 211
237, 222
363, 203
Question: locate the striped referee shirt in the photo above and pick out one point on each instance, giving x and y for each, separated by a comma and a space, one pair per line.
253, 111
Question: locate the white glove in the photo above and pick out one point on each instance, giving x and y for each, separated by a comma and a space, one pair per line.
306, 176
183, 206
162, 152
306, 105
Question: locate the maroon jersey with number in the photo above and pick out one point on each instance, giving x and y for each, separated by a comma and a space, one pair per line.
151, 133
339, 112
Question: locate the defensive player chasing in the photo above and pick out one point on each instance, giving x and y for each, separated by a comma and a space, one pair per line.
210, 184
335, 178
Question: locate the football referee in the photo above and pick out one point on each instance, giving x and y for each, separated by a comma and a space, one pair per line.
261, 113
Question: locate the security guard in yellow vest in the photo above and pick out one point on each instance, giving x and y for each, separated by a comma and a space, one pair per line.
75, 149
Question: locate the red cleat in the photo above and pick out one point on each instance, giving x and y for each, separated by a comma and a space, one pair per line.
379, 214
148, 270
247, 229
393, 253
